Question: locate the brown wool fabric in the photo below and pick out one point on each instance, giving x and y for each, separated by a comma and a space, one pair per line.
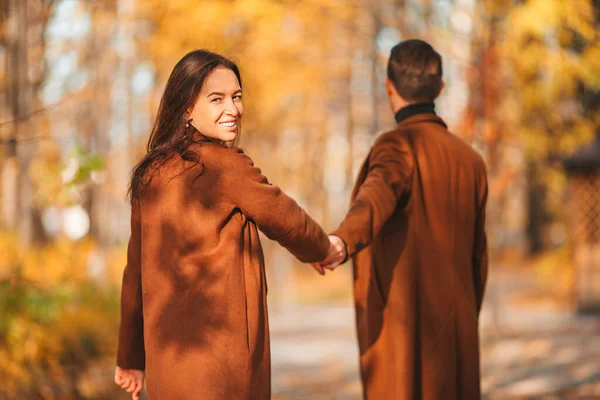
416, 233
193, 304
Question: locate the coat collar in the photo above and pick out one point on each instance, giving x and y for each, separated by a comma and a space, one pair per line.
414, 109
422, 118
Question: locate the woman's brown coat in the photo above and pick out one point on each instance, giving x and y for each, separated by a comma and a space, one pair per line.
416, 231
193, 306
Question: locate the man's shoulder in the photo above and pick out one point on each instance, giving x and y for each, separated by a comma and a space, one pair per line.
413, 133
397, 136
468, 150
469, 155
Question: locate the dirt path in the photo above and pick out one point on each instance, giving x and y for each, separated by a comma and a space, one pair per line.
530, 350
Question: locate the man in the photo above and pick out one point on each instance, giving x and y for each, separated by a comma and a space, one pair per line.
415, 231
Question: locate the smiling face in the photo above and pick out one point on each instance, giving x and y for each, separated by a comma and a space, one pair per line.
218, 110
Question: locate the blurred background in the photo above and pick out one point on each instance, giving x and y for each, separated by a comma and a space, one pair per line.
80, 82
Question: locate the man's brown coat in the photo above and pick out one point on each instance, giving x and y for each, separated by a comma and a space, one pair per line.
416, 232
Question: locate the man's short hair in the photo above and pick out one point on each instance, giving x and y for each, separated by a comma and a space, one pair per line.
415, 69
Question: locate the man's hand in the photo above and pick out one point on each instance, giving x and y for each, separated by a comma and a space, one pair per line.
132, 380
337, 254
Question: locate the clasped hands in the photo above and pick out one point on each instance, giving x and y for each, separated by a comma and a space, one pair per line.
337, 254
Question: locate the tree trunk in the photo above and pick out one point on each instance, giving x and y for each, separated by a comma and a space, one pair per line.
25, 22
13, 176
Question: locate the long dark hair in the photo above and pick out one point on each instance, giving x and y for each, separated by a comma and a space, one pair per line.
169, 135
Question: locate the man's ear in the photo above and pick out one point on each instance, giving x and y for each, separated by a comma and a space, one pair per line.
389, 87
442, 86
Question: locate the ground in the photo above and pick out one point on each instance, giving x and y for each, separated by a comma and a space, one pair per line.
530, 349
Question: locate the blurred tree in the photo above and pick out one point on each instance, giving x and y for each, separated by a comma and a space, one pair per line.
23, 28
281, 46
102, 60
552, 50
533, 89
485, 123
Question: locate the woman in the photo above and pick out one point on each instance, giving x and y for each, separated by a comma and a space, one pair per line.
193, 303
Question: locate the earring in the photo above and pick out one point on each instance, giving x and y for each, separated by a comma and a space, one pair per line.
187, 124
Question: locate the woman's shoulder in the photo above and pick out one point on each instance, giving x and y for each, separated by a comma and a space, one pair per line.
162, 170
225, 157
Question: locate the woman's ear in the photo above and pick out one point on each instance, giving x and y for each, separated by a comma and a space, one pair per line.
188, 112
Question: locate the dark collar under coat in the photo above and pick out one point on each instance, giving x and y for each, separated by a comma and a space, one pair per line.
414, 109
420, 112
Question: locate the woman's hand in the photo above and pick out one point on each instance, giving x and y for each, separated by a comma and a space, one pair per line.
337, 254
132, 380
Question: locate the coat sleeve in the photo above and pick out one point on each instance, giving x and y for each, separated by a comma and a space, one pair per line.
278, 216
130, 352
480, 252
388, 181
